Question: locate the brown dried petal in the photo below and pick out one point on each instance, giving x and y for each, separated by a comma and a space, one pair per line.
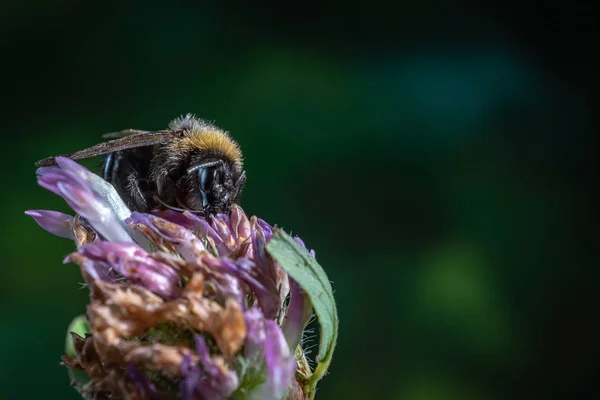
187, 244
115, 385
124, 294
161, 357
168, 234
241, 250
227, 324
296, 392
120, 311
156, 357
154, 237
106, 381
111, 348
303, 368
181, 266
71, 362
105, 318
90, 360
230, 330
78, 342
82, 234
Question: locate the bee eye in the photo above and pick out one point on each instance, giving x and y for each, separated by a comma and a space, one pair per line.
207, 178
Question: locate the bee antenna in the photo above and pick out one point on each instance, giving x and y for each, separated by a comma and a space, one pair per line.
204, 165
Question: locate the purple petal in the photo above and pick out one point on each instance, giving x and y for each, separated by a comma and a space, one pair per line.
92, 271
207, 380
266, 293
255, 332
101, 187
188, 245
280, 362
49, 177
227, 284
220, 223
297, 315
203, 226
228, 233
88, 195
55, 222
66, 164
144, 385
239, 222
192, 379
97, 212
178, 218
225, 380
301, 243
264, 263
133, 263
273, 276
268, 229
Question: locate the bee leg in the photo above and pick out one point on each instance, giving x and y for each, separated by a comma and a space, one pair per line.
138, 198
165, 188
132, 188
239, 184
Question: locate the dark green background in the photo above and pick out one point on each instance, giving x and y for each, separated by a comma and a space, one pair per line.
439, 158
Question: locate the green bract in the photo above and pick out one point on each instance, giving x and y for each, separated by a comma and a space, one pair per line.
305, 270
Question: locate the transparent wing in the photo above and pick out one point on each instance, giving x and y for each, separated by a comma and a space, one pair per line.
127, 142
123, 133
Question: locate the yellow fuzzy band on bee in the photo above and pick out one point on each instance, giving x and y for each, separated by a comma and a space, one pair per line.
209, 139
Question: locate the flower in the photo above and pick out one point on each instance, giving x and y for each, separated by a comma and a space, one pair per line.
180, 306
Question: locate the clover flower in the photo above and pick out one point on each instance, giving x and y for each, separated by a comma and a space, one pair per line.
186, 307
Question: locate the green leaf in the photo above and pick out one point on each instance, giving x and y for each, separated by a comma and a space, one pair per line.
80, 326
305, 270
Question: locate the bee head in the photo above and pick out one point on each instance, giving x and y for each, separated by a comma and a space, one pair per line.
212, 186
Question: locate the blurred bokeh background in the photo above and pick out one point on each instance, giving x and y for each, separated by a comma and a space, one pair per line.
438, 156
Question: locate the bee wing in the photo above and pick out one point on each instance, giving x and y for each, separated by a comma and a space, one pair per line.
123, 133
128, 142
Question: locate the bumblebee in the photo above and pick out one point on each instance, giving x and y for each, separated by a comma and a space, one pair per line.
191, 165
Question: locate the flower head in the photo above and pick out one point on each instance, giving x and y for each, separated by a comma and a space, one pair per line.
180, 305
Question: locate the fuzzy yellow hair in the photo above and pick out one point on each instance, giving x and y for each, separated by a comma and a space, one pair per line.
204, 136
